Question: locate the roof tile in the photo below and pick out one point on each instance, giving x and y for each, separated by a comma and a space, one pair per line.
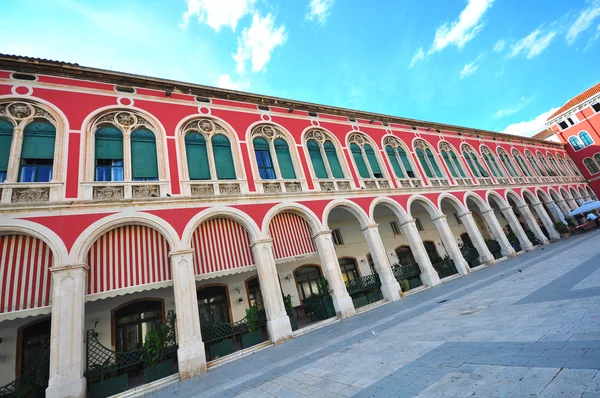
590, 92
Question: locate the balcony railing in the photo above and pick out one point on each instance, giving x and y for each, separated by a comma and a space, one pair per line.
280, 186
409, 183
334, 184
485, 181
463, 182
439, 182
503, 180
376, 183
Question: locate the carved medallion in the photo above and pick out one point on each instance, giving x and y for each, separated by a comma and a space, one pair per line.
117, 192
22, 195
145, 191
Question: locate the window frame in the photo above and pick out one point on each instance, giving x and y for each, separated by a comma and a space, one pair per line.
395, 143
579, 144
321, 138
271, 132
474, 156
423, 146
584, 133
455, 160
361, 140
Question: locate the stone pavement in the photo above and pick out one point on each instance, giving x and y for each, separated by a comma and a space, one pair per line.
529, 326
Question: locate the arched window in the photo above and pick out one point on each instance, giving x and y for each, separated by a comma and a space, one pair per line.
213, 303
109, 154
405, 256
573, 167
432, 252
144, 164
557, 167
473, 161
308, 279
349, 269
521, 162
535, 164
134, 321
590, 165
586, 138
490, 160
272, 153
427, 159
364, 157
6, 134
323, 155
37, 152
208, 151
398, 158
564, 166
545, 164
451, 160
597, 158
508, 163
576, 143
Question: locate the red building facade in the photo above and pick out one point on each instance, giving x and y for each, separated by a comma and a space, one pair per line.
126, 197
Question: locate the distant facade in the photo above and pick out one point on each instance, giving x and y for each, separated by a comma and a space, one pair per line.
231, 220
577, 125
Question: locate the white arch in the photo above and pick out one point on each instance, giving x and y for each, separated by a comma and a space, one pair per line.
17, 226
220, 212
363, 218
518, 199
391, 204
544, 196
456, 203
429, 206
527, 194
87, 238
498, 198
482, 204
307, 214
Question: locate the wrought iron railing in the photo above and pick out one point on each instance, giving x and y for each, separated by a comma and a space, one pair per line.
34, 381
445, 268
319, 307
495, 248
471, 256
213, 330
362, 284
101, 360
533, 238
406, 271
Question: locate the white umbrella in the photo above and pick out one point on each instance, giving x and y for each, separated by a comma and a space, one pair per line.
586, 207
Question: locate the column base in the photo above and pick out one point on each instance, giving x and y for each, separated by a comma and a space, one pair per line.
488, 260
391, 291
280, 330
344, 308
462, 267
70, 389
527, 248
430, 278
509, 253
191, 360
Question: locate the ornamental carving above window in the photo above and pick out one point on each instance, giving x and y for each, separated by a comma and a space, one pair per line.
318, 135
267, 131
206, 126
446, 147
467, 148
393, 142
20, 112
124, 120
420, 144
358, 139
486, 151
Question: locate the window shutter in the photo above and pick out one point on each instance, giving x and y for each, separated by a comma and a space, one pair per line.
426, 169
332, 158
458, 165
286, 166
223, 157
449, 163
405, 161
109, 143
373, 161
395, 165
436, 169
38, 140
6, 133
363, 172
471, 166
317, 160
144, 162
197, 156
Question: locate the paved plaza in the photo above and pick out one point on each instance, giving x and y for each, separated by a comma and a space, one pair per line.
529, 326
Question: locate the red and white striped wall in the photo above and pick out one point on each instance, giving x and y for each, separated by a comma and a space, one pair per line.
128, 256
25, 264
291, 236
221, 244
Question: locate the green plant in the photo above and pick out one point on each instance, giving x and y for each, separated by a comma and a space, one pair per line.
324, 286
154, 346
561, 227
404, 285
103, 369
287, 301
570, 222
252, 318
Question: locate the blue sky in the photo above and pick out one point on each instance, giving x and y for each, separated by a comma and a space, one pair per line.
500, 65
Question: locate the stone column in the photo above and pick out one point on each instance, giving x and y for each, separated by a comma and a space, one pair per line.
449, 241
562, 204
342, 302
67, 357
546, 220
191, 356
278, 322
429, 276
14, 160
490, 218
516, 227
532, 223
572, 204
468, 221
579, 200
390, 288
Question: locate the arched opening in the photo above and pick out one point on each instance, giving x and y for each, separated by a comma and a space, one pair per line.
491, 224
538, 213
33, 358
526, 219
213, 301
134, 321
315, 302
457, 219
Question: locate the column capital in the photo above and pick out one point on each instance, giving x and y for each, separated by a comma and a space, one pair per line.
466, 213
261, 242
438, 218
181, 252
321, 233
488, 211
72, 267
523, 206
409, 221
370, 226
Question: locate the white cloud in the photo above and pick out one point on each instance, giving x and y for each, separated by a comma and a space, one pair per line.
584, 21
225, 81
464, 29
319, 10
533, 44
419, 55
471, 67
531, 127
523, 102
499, 46
257, 42
217, 13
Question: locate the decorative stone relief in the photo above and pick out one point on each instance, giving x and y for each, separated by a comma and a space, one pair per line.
392, 141
444, 146
229, 189
272, 187
343, 185
445, 183
203, 189
108, 192
327, 186
18, 112
435, 183
206, 126
267, 131
416, 183
370, 185
293, 187
145, 191
124, 120
405, 184
384, 184
22, 195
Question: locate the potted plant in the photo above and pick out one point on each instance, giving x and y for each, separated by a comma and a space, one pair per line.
326, 293
562, 229
289, 308
404, 285
106, 385
153, 354
254, 335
